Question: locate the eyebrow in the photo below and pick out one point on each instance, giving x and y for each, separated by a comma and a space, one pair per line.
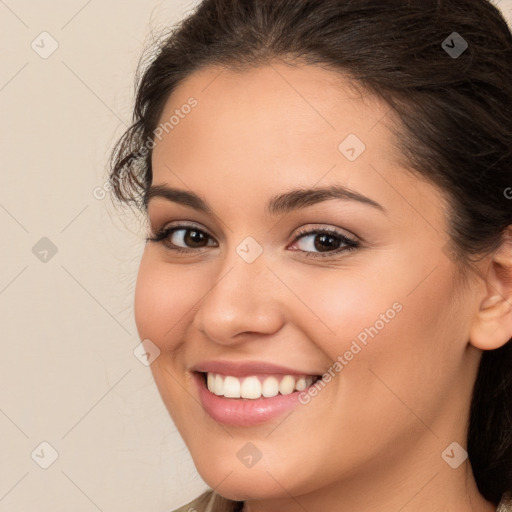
279, 204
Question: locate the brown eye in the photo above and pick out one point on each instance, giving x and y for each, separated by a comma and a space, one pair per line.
324, 242
183, 238
192, 238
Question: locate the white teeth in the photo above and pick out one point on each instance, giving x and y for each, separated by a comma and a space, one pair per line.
253, 387
270, 387
211, 381
287, 385
300, 385
231, 387
218, 385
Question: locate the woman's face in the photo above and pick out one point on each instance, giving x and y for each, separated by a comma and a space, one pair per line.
259, 295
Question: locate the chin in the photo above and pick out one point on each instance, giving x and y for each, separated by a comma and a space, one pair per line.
265, 480
241, 487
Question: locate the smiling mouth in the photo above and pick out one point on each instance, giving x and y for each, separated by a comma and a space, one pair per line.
256, 386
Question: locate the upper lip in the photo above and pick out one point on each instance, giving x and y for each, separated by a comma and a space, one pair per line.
246, 368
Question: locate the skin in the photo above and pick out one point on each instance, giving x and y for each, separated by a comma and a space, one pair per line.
373, 437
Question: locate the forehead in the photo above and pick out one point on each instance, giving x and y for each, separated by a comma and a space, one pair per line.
252, 134
270, 112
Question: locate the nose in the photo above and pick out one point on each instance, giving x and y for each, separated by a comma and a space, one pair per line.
242, 302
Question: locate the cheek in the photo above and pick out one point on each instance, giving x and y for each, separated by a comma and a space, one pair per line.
164, 300
338, 306
397, 323
164, 305
397, 370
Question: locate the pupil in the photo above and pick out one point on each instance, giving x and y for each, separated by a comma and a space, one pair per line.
329, 241
194, 238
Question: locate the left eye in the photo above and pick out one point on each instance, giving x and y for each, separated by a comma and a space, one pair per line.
189, 238
324, 241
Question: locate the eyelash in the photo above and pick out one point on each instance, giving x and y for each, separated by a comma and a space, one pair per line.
350, 244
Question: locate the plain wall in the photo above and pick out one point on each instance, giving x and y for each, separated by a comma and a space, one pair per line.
68, 374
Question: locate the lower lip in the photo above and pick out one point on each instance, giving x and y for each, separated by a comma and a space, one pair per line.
243, 412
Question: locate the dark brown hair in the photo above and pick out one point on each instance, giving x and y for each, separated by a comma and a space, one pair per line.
456, 126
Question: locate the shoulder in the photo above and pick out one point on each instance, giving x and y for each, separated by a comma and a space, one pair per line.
198, 505
211, 502
505, 504
205, 502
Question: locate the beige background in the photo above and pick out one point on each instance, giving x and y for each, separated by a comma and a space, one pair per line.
68, 374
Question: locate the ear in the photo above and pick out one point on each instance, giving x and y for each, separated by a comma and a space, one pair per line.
492, 326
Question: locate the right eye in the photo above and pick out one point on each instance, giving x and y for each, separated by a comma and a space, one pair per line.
182, 239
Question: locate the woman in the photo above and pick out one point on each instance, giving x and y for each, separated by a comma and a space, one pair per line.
326, 287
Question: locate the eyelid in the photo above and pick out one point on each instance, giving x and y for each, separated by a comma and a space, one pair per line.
350, 241
299, 232
183, 224
322, 228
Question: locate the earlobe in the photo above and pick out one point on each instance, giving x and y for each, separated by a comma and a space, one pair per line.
492, 328
492, 325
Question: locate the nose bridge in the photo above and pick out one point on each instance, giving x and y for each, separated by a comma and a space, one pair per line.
242, 298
